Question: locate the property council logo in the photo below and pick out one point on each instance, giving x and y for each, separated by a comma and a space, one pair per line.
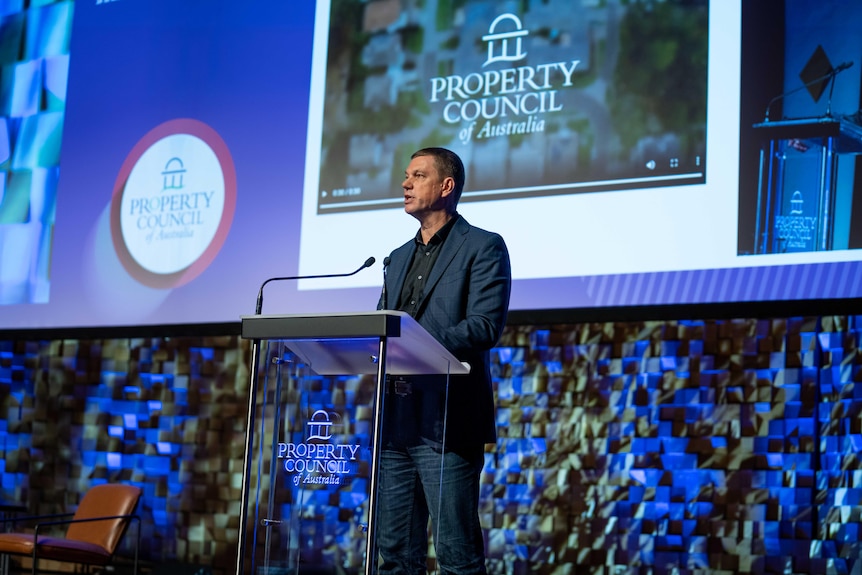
316, 460
173, 203
508, 99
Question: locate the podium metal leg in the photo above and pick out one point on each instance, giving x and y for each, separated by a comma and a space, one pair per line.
376, 442
249, 445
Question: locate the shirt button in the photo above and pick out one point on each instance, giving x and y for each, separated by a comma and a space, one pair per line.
420, 277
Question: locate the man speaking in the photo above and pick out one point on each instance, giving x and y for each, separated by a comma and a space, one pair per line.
455, 280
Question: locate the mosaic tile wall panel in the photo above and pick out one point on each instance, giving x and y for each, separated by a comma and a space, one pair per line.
167, 415
711, 447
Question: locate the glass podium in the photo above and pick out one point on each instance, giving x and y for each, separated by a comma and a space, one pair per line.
797, 184
316, 407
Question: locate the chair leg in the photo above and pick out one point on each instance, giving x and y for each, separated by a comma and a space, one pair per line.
137, 522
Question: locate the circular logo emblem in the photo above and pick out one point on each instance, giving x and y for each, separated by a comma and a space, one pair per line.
173, 203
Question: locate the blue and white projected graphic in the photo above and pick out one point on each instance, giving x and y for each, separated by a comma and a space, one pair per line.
34, 67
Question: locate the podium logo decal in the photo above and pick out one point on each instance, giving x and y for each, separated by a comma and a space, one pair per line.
317, 460
173, 203
795, 230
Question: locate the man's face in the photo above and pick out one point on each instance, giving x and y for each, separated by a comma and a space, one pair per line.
425, 191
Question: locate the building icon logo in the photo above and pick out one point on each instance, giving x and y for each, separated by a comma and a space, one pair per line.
319, 426
796, 203
504, 38
172, 175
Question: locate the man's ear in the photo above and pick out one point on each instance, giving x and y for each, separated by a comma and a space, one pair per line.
448, 186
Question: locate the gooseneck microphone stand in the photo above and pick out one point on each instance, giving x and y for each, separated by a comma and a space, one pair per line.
828, 77
383, 296
252, 399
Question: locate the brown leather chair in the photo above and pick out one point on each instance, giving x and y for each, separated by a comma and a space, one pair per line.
92, 533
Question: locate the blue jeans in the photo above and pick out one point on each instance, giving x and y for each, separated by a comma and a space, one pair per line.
409, 492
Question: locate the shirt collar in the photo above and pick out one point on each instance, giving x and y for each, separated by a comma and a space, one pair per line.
442, 233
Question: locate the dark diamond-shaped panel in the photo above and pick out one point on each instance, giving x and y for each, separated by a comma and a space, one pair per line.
815, 74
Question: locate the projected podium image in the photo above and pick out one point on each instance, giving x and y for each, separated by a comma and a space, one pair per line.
319, 383
797, 187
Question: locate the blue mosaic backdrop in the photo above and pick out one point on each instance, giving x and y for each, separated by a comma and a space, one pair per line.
637, 448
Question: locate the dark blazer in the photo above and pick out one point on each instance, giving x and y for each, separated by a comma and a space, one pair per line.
464, 307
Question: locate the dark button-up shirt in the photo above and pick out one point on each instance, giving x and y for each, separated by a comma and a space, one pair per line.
424, 258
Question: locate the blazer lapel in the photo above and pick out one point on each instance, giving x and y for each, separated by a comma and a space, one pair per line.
451, 246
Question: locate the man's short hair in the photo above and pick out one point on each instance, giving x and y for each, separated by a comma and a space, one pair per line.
449, 165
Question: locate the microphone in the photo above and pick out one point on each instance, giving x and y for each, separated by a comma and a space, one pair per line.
828, 76
368, 263
386, 261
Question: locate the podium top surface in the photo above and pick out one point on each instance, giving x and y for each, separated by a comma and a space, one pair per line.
350, 343
381, 323
847, 134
